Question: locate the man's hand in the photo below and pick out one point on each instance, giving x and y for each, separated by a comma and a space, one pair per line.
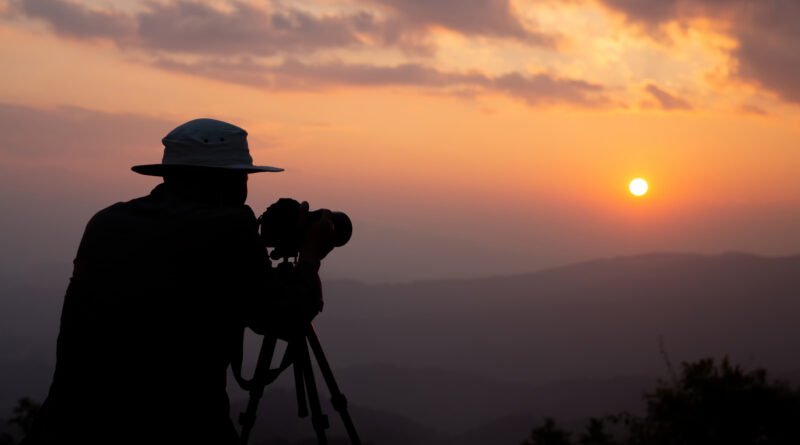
318, 241
297, 301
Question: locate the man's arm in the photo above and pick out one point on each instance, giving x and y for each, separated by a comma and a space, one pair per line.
275, 299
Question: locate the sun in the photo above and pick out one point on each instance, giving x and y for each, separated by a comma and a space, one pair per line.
638, 187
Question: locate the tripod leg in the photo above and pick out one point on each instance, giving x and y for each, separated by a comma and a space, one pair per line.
295, 346
248, 418
338, 399
318, 419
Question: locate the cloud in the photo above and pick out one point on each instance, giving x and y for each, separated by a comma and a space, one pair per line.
291, 74
199, 28
767, 33
768, 40
493, 18
295, 74
237, 28
70, 133
243, 70
753, 109
541, 89
78, 21
659, 12
232, 43
666, 100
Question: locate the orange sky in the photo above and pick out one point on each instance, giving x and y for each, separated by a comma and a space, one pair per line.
491, 136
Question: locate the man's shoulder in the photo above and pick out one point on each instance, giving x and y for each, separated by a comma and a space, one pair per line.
120, 209
109, 213
235, 216
148, 207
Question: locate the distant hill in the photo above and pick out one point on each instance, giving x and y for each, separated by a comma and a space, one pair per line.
470, 359
599, 318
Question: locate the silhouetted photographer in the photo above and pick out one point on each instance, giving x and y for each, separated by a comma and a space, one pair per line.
162, 289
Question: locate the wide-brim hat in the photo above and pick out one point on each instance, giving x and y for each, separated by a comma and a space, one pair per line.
205, 144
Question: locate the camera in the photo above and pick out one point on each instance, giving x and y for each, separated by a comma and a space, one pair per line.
284, 224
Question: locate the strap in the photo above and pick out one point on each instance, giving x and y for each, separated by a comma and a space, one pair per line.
262, 375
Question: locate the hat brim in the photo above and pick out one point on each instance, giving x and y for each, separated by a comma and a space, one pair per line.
162, 169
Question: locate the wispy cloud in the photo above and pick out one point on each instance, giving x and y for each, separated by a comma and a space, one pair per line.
767, 33
240, 42
72, 133
200, 28
493, 18
753, 109
79, 21
245, 29
292, 74
274, 28
666, 100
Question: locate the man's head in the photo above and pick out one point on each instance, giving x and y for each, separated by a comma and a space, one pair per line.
205, 143
224, 187
207, 157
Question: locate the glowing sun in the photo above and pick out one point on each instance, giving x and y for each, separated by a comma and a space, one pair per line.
638, 187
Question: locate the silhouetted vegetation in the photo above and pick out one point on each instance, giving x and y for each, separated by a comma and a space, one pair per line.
709, 403
22, 419
548, 434
596, 434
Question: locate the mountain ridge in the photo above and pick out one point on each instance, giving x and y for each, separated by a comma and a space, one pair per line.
655, 255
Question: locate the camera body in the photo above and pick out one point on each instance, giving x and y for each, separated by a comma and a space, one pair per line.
283, 226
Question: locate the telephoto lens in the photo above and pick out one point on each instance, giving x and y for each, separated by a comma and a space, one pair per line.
342, 226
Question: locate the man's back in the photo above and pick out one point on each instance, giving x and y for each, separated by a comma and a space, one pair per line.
151, 314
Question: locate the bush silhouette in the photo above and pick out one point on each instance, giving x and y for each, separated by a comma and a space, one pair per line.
596, 434
22, 419
709, 403
548, 434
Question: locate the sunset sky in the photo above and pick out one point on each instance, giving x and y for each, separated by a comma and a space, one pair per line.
464, 137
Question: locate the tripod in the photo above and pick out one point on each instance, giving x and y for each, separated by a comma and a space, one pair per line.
297, 355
